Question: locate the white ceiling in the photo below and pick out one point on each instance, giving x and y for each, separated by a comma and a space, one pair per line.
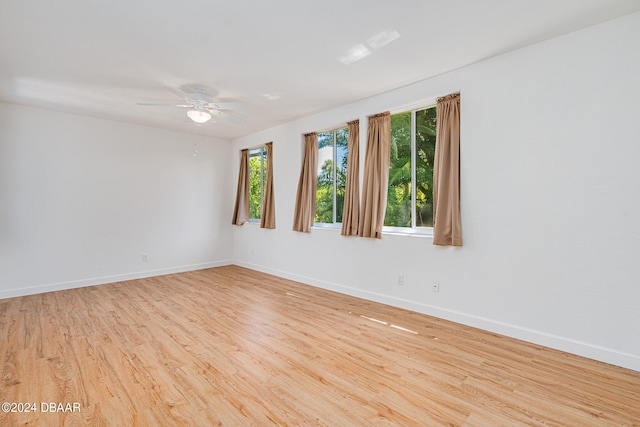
100, 58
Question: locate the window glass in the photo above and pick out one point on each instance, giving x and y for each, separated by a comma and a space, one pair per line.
425, 149
331, 175
398, 213
257, 169
342, 141
413, 142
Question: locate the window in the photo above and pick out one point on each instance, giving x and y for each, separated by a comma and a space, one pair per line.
410, 191
257, 172
332, 175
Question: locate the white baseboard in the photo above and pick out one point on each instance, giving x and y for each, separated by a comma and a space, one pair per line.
591, 351
49, 287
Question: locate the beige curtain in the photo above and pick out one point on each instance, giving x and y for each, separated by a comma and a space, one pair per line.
376, 176
268, 217
305, 208
447, 228
241, 209
351, 212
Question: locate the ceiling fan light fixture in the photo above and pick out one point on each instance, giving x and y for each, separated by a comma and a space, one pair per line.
199, 116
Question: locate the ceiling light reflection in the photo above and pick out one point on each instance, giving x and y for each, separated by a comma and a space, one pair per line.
373, 320
382, 38
400, 328
404, 329
355, 54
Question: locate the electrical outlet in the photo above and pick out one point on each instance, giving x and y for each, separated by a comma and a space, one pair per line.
145, 258
435, 287
401, 280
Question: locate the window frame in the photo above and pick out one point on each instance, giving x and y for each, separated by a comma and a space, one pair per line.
335, 224
261, 152
413, 230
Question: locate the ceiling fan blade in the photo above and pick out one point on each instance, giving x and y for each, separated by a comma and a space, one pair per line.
231, 116
226, 106
178, 92
170, 104
167, 104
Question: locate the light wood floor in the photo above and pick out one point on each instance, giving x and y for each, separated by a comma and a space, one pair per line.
230, 346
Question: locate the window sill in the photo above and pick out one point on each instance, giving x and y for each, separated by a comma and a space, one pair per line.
412, 232
326, 226
393, 231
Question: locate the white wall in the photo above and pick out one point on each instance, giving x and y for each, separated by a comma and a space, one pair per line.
82, 199
550, 201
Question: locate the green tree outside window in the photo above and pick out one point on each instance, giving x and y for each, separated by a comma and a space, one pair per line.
410, 191
332, 175
257, 169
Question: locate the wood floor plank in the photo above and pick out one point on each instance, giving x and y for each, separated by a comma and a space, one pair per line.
233, 347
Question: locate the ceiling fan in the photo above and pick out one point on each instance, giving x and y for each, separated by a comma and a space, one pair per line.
202, 105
